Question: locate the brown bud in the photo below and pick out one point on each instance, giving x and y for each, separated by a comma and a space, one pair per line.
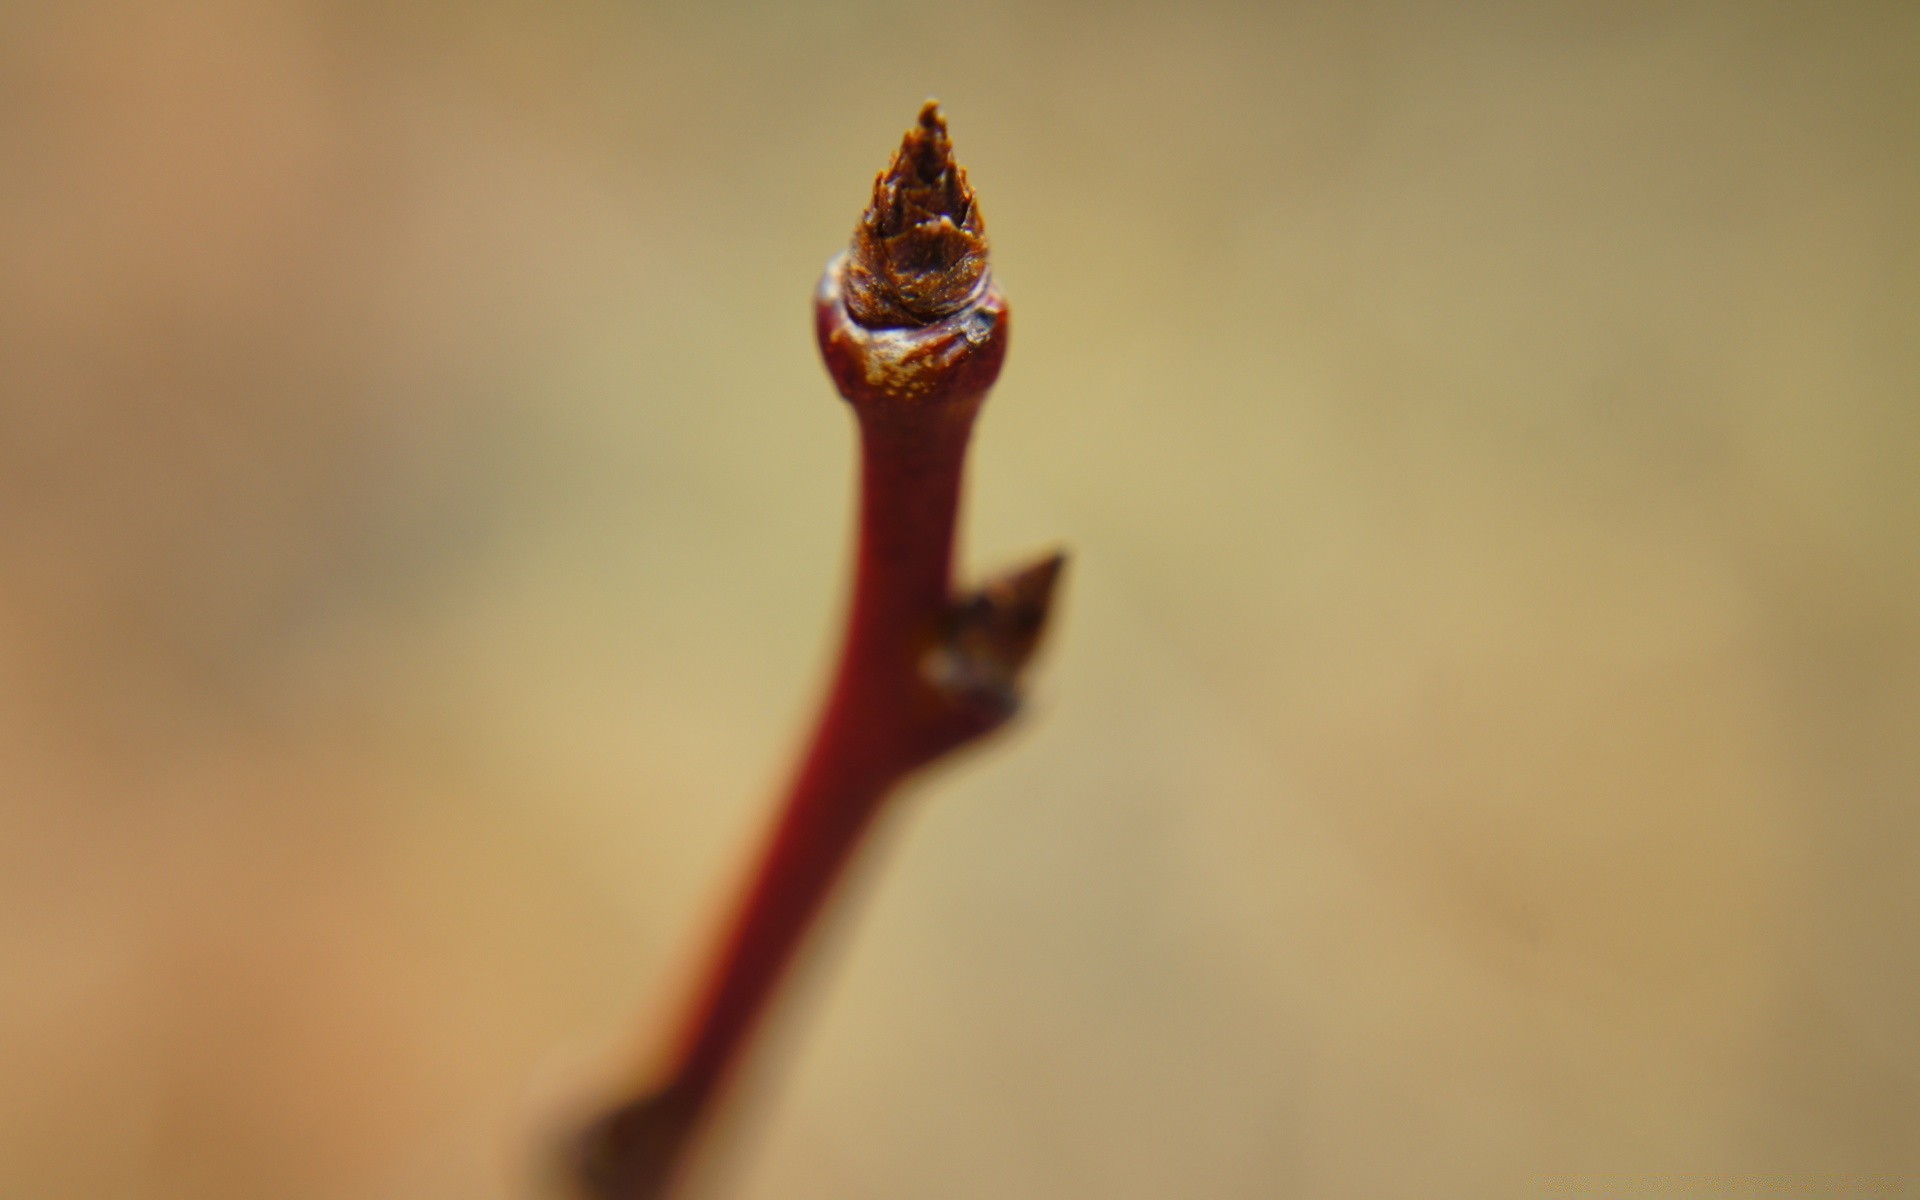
920, 251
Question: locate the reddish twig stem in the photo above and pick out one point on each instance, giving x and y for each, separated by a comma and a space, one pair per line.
913, 332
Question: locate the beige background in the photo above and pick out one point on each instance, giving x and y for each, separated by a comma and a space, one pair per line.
1479, 757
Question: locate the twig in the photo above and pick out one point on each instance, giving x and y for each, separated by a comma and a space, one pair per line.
913, 331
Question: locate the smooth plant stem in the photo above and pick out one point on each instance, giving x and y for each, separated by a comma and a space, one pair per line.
873, 732
913, 332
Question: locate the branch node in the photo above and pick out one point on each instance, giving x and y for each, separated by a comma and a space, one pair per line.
631, 1152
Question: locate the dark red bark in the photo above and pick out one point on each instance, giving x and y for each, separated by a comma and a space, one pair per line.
921, 671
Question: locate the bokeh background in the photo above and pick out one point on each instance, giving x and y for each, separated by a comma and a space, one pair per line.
1481, 755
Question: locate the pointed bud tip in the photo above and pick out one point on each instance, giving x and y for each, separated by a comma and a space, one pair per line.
919, 253
1038, 578
931, 119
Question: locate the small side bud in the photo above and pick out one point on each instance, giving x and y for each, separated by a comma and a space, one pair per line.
992, 634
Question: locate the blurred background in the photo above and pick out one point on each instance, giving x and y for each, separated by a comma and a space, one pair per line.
1480, 756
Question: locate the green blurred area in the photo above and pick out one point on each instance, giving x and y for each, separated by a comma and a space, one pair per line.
1481, 755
